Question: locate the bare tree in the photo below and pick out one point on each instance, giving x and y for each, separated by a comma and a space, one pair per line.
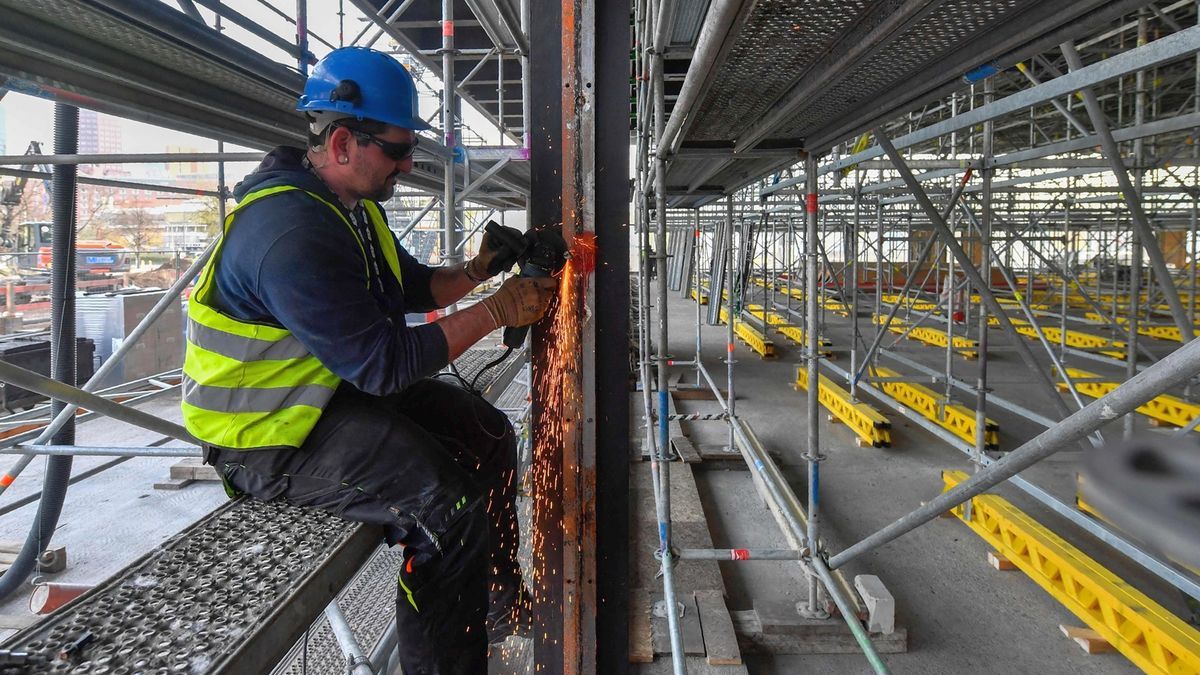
137, 229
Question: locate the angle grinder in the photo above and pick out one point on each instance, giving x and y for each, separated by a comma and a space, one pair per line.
541, 253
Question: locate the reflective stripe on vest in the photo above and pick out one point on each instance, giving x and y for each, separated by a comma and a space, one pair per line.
250, 385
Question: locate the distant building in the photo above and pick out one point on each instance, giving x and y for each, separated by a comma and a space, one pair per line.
3, 132
98, 134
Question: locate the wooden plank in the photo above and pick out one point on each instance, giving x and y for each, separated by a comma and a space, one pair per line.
999, 562
697, 394
693, 639
720, 640
679, 441
193, 468
1089, 640
173, 484
641, 649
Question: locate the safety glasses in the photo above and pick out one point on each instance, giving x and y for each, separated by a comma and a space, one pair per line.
397, 152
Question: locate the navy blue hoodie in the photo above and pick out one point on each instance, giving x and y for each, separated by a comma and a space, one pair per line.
290, 261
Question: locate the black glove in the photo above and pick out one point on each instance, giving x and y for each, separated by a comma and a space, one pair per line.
501, 247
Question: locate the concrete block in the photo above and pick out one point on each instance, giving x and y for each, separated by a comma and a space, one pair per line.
881, 606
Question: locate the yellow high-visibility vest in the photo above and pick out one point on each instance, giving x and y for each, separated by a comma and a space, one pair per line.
249, 385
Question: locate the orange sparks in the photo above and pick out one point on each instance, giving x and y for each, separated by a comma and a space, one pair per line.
559, 381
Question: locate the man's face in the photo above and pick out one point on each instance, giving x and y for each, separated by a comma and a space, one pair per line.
375, 173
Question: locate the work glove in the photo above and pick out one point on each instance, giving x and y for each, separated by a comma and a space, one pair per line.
521, 301
497, 253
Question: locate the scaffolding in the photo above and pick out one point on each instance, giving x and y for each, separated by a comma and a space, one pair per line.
871, 163
976, 176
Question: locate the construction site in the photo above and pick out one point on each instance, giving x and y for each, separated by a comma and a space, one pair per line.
872, 349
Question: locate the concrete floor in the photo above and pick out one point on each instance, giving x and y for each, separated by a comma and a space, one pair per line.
961, 615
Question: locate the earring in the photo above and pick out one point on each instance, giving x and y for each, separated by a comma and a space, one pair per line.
343, 159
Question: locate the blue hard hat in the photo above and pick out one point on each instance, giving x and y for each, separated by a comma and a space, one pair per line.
364, 84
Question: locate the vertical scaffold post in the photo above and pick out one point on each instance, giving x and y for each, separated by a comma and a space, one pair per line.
815, 605
716, 297
450, 254
985, 269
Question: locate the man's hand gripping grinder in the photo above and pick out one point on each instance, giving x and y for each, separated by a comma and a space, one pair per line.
540, 253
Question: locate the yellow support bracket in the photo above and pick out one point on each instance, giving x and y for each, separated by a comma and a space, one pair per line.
1152, 638
1163, 408
871, 428
702, 298
752, 336
957, 419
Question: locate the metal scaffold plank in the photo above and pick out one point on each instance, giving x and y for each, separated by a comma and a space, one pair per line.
1163, 408
957, 419
1147, 634
871, 427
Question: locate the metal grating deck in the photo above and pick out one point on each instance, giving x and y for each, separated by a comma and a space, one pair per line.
241, 585
369, 604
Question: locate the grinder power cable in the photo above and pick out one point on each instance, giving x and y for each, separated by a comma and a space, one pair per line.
540, 253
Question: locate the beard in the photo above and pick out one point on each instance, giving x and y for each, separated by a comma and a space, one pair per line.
385, 190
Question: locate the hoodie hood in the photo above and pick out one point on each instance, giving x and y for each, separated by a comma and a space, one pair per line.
283, 166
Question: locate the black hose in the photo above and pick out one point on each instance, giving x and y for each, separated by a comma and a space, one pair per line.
62, 351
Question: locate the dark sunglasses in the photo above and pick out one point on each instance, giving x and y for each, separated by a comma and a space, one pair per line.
397, 152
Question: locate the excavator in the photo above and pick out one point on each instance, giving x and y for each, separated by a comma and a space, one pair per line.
29, 246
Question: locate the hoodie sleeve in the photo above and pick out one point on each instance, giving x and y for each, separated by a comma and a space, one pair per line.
309, 275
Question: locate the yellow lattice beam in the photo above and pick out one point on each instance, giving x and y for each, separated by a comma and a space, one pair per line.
1077, 339
752, 336
931, 336
1162, 408
790, 331
871, 428
1153, 638
957, 419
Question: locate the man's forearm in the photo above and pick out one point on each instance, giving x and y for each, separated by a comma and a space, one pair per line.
449, 284
464, 328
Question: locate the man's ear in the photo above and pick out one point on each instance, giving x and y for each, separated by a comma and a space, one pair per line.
338, 143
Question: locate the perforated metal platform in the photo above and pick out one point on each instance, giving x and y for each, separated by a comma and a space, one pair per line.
228, 595
369, 604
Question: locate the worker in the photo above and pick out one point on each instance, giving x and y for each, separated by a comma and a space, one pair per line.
305, 382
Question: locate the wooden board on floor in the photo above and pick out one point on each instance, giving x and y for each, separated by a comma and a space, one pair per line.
720, 640
193, 468
693, 639
679, 441
641, 649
